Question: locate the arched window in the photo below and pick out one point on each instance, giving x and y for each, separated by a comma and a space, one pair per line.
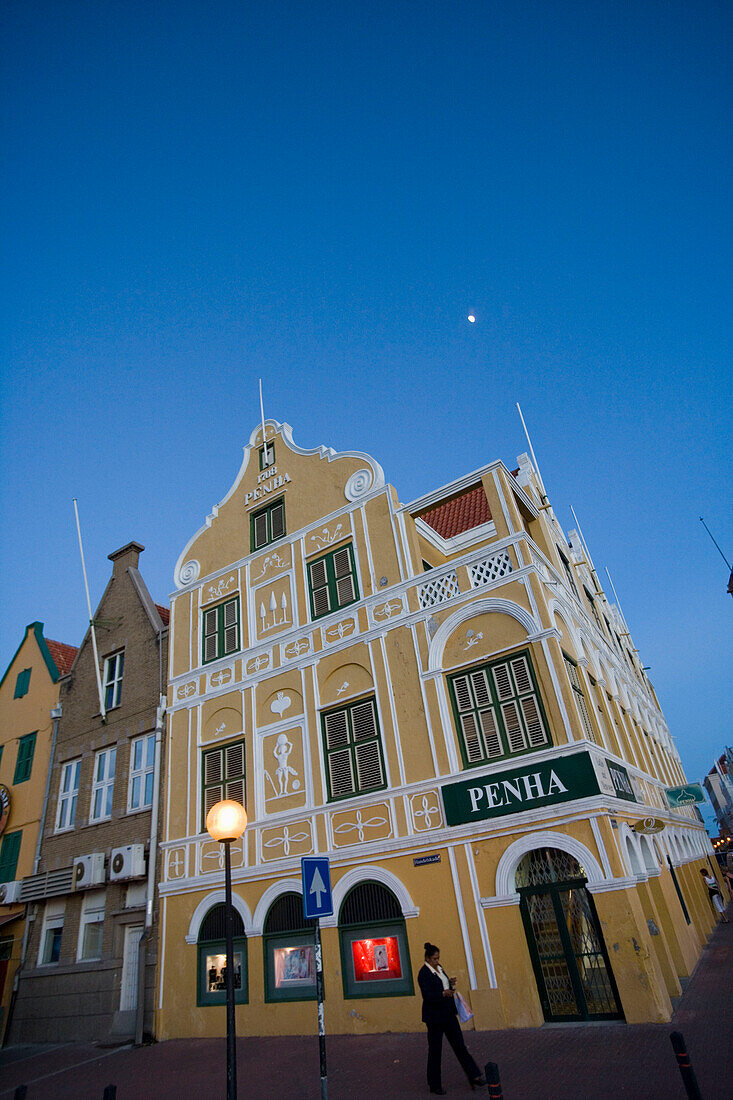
212, 961
375, 958
290, 965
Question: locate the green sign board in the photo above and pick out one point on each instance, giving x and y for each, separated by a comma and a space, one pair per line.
528, 787
621, 782
684, 796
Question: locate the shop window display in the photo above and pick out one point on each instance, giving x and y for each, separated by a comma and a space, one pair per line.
212, 960
374, 950
290, 964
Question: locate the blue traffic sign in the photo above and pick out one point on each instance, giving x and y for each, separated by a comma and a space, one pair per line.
316, 875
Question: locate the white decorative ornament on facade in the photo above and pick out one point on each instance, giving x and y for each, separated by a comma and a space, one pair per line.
388, 610
439, 589
221, 677
274, 561
294, 649
221, 588
258, 663
285, 838
281, 703
425, 807
344, 687
358, 484
189, 572
325, 537
359, 825
275, 616
185, 691
341, 630
472, 638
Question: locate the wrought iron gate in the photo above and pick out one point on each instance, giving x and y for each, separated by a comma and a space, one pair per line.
572, 968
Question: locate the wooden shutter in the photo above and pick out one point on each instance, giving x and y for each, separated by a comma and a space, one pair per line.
341, 774
213, 778
369, 766
581, 704
492, 739
345, 590
533, 721
337, 729
210, 634
231, 617
234, 772
277, 520
9, 853
502, 681
472, 739
364, 720
259, 529
319, 587
513, 725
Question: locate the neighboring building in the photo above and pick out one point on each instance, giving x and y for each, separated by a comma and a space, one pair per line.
440, 698
29, 694
719, 785
90, 898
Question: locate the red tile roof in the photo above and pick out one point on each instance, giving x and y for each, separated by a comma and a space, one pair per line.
63, 655
459, 514
165, 614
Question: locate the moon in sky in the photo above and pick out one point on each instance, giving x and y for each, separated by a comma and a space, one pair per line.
471, 318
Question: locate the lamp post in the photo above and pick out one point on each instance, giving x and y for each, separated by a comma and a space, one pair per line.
225, 822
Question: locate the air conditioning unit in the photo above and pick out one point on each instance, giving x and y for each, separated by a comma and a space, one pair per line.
10, 892
127, 862
89, 871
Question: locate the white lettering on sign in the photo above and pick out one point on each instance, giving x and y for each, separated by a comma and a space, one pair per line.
266, 487
504, 791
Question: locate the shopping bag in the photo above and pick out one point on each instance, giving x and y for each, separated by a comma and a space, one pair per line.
463, 1008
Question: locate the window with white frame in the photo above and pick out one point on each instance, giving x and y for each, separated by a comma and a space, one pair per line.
68, 794
49, 950
103, 785
142, 768
113, 668
91, 926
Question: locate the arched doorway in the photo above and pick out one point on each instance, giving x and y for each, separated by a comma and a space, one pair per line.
573, 972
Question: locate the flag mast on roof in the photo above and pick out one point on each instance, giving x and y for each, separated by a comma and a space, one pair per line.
265, 448
102, 711
543, 495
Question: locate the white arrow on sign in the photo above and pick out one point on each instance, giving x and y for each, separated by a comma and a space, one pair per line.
317, 887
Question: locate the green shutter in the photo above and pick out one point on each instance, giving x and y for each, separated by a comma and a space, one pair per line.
221, 630
353, 750
9, 852
24, 763
497, 710
267, 525
223, 775
333, 581
22, 683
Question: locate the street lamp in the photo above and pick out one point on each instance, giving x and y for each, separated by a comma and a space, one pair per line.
225, 822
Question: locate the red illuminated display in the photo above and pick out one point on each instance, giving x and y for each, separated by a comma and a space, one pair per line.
376, 960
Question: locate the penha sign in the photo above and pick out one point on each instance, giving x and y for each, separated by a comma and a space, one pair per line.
564, 779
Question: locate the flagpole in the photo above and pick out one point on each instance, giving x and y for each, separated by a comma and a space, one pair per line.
545, 502
102, 711
264, 436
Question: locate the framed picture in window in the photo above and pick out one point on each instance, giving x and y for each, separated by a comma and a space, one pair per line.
376, 961
290, 966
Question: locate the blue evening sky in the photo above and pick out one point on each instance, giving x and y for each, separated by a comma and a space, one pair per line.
198, 194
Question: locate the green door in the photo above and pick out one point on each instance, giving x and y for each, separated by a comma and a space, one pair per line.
573, 973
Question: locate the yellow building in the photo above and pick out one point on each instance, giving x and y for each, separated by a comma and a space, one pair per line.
439, 697
29, 693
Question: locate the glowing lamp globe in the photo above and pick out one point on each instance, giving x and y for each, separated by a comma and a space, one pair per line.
226, 820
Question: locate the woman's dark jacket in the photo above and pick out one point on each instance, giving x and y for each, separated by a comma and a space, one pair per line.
436, 1009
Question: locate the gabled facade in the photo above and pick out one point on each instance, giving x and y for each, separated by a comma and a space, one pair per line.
91, 945
29, 692
440, 698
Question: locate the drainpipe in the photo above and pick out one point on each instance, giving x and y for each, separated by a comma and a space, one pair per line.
55, 714
152, 859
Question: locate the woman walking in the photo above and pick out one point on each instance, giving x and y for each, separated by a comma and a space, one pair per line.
440, 1015
716, 898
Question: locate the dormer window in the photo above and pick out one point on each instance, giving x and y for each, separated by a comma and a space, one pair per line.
267, 456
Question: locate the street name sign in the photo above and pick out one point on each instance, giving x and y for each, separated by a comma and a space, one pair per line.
316, 876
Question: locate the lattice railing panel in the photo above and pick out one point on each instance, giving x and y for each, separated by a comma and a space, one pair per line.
490, 569
439, 589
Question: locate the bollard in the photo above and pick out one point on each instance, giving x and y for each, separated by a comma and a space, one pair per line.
683, 1061
110, 1092
21, 1092
491, 1072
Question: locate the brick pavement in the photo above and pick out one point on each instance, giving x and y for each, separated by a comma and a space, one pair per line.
572, 1062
